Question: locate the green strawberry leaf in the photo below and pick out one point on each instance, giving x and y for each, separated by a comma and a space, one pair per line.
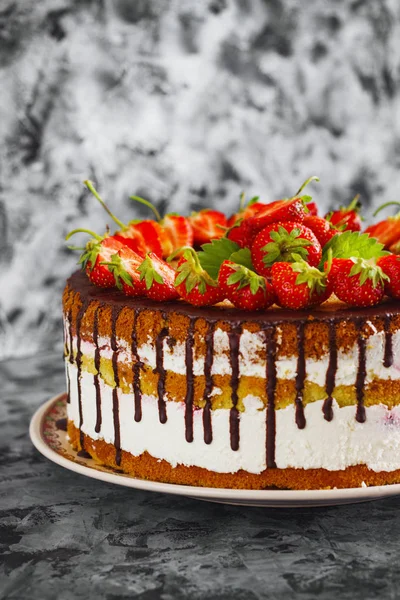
253, 200
242, 257
213, 254
353, 244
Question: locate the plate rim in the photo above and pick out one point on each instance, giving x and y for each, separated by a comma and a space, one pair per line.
282, 498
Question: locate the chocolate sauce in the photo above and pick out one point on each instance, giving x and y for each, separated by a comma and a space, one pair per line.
115, 400
330, 373
234, 341
270, 346
137, 366
79, 318
209, 383
70, 357
361, 373
300, 377
83, 454
388, 356
97, 367
61, 424
189, 382
162, 409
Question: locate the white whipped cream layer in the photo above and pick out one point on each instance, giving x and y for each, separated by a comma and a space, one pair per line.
332, 445
251, 364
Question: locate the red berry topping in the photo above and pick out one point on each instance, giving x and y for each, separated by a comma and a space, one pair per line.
207, 225
158, 277
322, 229
387, 232
390, 265
193, 283
246, 211
244, 288
298, 285
281, 242
356, 281
179, 231
347, 217
124, 265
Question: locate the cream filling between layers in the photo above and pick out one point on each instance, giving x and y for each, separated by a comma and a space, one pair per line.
250, 364
333, 445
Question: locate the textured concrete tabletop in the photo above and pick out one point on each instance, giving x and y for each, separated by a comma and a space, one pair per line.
67, 537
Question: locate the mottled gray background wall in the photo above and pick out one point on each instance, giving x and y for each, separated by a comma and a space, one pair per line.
185, 103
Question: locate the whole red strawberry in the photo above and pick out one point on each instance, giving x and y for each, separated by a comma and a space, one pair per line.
347, 217
387, 232
291, 209
390, 265
242, 233
98, 250
298, 285
194, 284
356, 281
124, 266
244, 288
322, 229
207, 225
281, 242
312, 209
158, 277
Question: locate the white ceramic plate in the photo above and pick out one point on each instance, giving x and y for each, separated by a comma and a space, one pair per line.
52, 442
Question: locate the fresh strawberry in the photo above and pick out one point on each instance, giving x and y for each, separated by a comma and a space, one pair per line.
298, 285
98, 250
124, 265
356, 281
158, 278
140, 236
246, 211
312, 209
387, 232
322, 229
347, 217
282, 242
179, 231
390, 265
193, 283
291, 209
242, 233
244, 288
207, 225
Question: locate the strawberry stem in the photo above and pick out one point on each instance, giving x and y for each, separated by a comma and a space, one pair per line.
307, 181
148, 204
241, 203
92, 233
91, 188
353, 206
392, 203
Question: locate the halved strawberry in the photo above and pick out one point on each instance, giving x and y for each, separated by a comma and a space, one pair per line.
158, 277
98, 250
387, 232
390, 265
298, 285
322, 229
357, 282
347, 217
283, 242
179, 231
246, 211
291, 209
193, 283
124, 266
244, 288
141, 236
207, 225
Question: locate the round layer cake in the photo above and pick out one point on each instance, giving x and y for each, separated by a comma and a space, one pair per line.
226, 398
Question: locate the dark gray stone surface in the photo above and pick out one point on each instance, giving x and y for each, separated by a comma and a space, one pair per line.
66, 537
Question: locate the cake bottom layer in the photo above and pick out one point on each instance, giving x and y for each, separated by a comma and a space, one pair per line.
147, 467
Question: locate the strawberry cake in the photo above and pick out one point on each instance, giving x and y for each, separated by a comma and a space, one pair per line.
260, 351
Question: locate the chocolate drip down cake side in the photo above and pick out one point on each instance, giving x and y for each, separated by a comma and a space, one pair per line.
298, 393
